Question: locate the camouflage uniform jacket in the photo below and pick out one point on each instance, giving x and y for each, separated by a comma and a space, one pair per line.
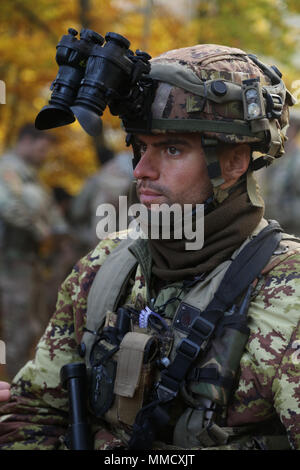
36, 416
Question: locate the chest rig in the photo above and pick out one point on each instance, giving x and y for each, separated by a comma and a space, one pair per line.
201, 365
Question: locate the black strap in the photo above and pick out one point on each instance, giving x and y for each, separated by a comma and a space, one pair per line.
243, 271
246, 266
210, 375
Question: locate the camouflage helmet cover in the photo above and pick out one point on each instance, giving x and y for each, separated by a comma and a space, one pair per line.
202, 89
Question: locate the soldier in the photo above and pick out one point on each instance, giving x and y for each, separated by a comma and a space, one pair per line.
280, 182
186, 349
112, 180
28, 217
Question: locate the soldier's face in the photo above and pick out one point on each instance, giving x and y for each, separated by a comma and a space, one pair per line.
36, 150
172, 169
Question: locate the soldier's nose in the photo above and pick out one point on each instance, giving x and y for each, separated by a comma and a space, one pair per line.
147, 166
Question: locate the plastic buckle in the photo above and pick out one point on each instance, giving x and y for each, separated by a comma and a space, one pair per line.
202, 327
190, 343
164, 393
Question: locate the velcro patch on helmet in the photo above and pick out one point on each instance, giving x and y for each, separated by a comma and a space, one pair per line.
195, 103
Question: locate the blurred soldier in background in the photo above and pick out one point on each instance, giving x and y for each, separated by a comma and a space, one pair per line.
111, 181
60, 258
29, 221
280, 182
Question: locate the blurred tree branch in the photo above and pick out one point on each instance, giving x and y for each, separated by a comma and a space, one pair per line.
36, 20
84, 13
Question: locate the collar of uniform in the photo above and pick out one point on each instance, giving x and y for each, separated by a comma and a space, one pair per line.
141, 251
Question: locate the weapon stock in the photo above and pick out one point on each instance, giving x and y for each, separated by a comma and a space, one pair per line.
73, 378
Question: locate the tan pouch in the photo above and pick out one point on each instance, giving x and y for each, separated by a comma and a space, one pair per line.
134, 376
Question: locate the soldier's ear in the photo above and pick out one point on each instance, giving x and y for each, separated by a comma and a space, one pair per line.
234, 162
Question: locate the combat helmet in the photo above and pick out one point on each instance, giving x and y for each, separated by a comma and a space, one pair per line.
225, 94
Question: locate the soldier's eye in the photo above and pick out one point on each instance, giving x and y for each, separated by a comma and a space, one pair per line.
142, 148
173, 151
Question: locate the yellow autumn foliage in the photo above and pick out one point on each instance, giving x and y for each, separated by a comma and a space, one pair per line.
30, 30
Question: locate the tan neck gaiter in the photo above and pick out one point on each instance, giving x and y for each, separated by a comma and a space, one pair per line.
225, 229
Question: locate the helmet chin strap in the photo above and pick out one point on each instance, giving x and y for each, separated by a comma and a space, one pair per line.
208, 205
213, 166
214, 172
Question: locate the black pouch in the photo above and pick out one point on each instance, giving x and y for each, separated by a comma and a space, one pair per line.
102, 378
